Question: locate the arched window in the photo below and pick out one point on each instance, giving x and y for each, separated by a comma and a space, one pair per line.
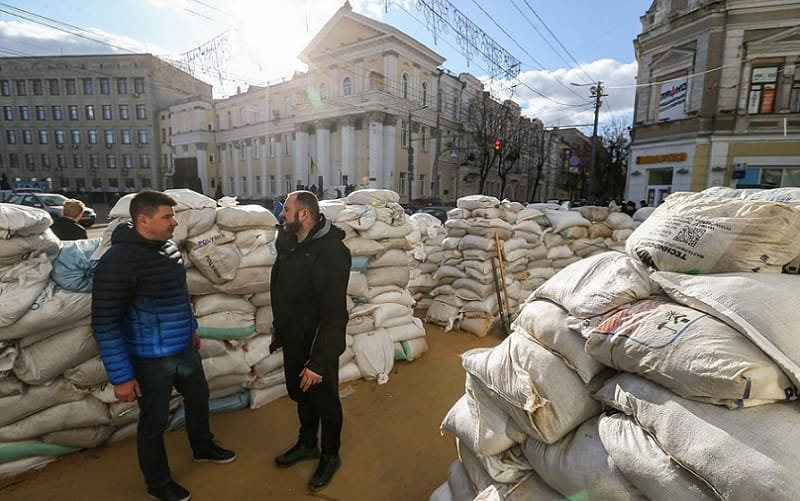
323, 91
347, 86
424, 93
404, 86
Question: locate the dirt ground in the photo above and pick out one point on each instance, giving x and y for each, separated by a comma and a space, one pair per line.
391, 446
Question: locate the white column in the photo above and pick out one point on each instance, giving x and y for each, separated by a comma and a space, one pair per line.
301, 160
347, 133
388, 180
359, 77
262, 155
278, 150
323, 160
251, 178
375, 149
237, 172
202, 166
226, 169
415, 146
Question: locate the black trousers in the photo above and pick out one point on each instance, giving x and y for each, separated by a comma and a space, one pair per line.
157, 377
318, 407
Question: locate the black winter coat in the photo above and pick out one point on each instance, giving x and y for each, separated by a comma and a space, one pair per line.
67, 229
308, 289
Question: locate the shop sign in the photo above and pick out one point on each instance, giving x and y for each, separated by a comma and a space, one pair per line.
658, 159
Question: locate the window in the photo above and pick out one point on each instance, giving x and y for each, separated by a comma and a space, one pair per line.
56, 111
421, 186
61, 160
107, 115
272, 184
11, 137
72, 110
94, 161
30, 161
77, 160
46, 160
401, 184
60, 136
122, 85
38, 89
89, 112
13, 160
258, 185
5, 88
111, 161
424, 93
403, 134
404, 86
69, 84
27, 136
144, 161
127, 161
8, 113
794, 97
24, 113
347, 86
130, 184
41, 114
455, 106
762, 90
141, 113
769, 177
286, 142
113, 184
55, 89
143, 136
256, 149
105, 86
287, 183
22, 88
124, 113
138, 85
109, 135
271, 147
146, 182
126, 136
242, 153
323, 91
423, 138
88, 86
76, 136
92, 134
44, 137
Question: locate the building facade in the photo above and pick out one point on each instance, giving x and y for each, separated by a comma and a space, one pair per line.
87, 123
718, 98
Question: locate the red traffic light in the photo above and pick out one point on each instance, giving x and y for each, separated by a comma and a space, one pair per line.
498, 144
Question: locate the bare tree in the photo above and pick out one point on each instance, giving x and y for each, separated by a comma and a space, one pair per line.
616, 145
484, 127
539, 151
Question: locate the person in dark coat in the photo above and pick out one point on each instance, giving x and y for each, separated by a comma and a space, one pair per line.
308, 293
145, 330
66, 227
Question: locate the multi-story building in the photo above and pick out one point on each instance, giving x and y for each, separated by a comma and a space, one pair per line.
718, 98
374, 109
88, 123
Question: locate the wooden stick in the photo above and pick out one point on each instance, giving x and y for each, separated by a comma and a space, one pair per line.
499, 299
502, 271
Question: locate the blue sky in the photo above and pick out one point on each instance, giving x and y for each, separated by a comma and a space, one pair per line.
267, 35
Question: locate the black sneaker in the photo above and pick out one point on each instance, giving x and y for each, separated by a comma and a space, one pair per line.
328, 464
297, 453
215, 454
170, 492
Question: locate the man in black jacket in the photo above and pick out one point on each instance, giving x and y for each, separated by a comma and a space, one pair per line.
308, 288
66, 227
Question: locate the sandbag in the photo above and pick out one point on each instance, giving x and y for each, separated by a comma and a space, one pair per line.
20, 248
247, 281
20, 286
241, 217
226, 325
373, 196
86, 412
18, 220
37, 398
214, 254
374, 355
54, 307
217, 302
44, 361
73, 269
261, 397
82, 438
193, 222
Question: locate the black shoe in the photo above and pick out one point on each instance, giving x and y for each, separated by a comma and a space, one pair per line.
297, 453
170, 492
328, 464
215, 454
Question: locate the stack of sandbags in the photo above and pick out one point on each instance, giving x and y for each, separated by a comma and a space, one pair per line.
427, 256
710, 370
382, 322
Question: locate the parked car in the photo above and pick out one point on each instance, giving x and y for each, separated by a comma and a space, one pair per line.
53, 203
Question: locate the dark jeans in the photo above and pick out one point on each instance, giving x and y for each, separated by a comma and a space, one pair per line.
157, 377
319, 405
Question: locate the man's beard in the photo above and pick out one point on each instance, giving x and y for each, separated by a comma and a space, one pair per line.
292, 227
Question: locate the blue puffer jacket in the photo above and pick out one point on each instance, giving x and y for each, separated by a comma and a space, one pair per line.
140, 302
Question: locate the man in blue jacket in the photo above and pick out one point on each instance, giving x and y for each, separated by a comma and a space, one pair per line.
145, 329
309, 303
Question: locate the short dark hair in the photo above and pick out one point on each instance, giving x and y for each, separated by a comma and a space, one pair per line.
148, 202
307, 200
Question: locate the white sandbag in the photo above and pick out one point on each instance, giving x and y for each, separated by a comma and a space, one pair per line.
744, 455
53, 308
240, 217
359, 246
697, 233
507, 467
330, 208
578, 465
648, 468
471, 202
599, 230
477, 325
620, 221
253, 238
621, 235
764, 307
388, 275
264, 319
189, 199
373, 196
212, 348
349, 372
374, 355
193, 222
574, 232
392, 214
562, 219
217, 302
598, 284
233, 362
402, 297
545, 398
20, 247
43, 361
86, 412
381, 230
81, 438
18, 220
559, 264
214, 254
687, 351
385, 315
10, 385
20, 285
261, 397
260, 298
546, 323
559, 252
270, 363
486, 212
391, 257
550, 239
197, 283
88, 373
247, 281
27, 464
477, 242
404, 332
441, 313
256, 348
411, 349
359, 217
643, 213
36, 398
265, 255
592, 213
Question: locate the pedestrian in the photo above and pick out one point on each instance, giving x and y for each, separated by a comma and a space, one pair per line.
308, 292
67, 226
643, 203
145, 329
629, 208
277, 208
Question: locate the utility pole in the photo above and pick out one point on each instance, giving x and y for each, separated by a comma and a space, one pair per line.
410, 162
597, 93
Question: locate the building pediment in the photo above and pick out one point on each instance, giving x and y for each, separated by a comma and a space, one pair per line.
786, 42
674, 59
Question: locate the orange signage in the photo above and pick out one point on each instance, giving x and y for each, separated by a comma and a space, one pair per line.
657, 159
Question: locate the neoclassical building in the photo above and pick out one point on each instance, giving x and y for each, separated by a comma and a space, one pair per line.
374, 109
718, 98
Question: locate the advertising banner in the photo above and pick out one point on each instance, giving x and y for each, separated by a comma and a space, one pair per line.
672, 100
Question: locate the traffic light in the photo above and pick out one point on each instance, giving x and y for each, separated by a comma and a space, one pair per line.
498, 145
